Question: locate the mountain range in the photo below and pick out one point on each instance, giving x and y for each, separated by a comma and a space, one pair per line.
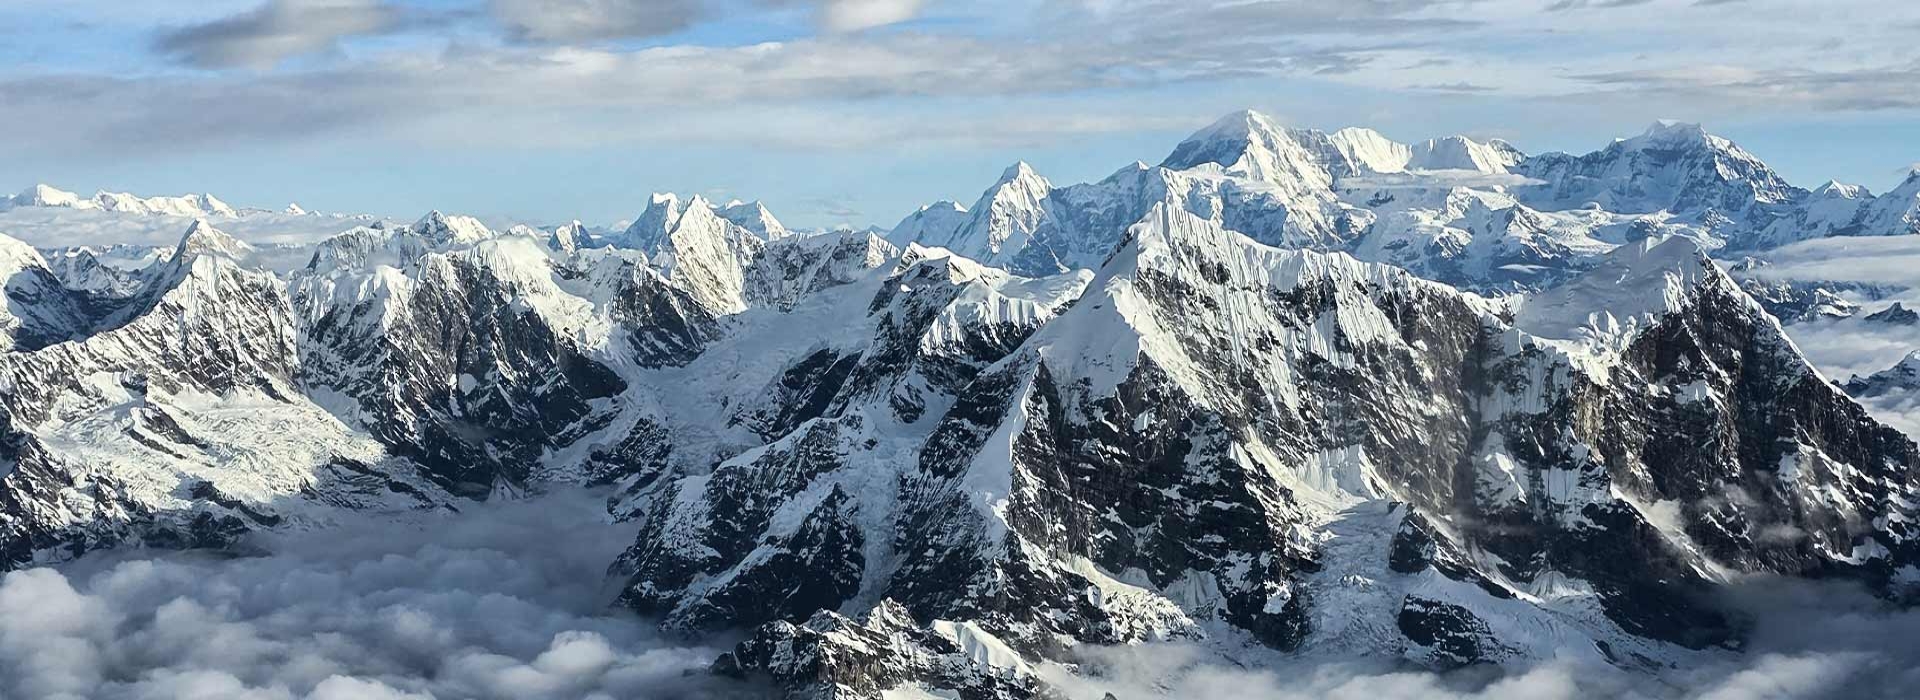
1286, 392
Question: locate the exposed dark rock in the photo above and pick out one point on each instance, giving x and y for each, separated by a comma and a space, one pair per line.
1895, 315
1450, 635
832, 657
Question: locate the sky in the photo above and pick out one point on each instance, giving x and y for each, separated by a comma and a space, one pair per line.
856, 112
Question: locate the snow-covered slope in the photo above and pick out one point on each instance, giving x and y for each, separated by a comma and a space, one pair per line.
1896, 213
1633, 287
695, 246
754, 217
936, 221
38, 309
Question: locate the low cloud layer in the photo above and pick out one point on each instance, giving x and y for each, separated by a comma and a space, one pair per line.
1889, 267
509, 601
503, 601
1810, 641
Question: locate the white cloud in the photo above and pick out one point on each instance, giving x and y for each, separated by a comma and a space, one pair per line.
1888, 266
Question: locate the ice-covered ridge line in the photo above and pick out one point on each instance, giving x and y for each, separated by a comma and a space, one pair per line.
184, 205
187, 205
1117, 321
991, 298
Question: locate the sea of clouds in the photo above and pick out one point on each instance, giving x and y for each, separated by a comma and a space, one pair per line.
505, 600
510, 600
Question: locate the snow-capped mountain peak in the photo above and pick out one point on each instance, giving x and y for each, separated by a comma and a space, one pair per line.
1670, 133
996, 227
43, 195
754, 216
1836, 189
202, 238
694, 245
1225, 141
1370, 151
1897, 212
442, 229
931, 222
1020, 172
1251, 145
1462, 153
655, 222
1674, 167
569, 237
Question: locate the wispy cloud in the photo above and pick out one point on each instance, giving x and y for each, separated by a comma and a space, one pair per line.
567, 21
1883, 87
499, 75
276, 31
1561, 5
605, 92
837, 208
1461, 86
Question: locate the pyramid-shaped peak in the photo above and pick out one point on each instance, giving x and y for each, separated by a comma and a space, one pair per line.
202, 238
568, 237
1841, 190
1020, 170
662, 214
663, 208
1238, 124
212, 205
1245, 137
754, 216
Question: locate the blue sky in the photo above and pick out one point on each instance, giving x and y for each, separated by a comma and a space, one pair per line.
857, 111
